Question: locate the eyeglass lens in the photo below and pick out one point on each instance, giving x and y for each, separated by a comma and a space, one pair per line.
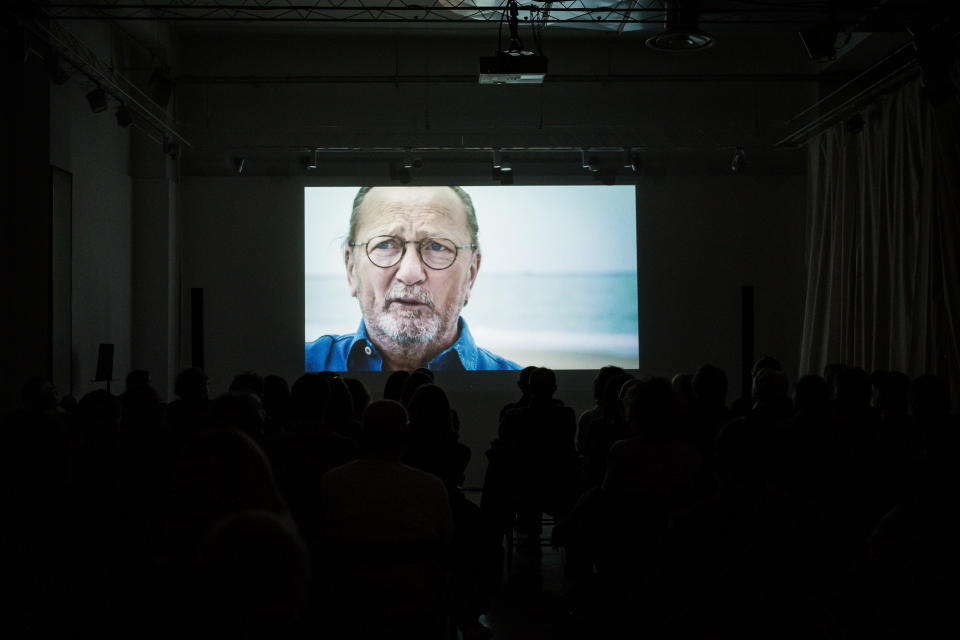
386, 251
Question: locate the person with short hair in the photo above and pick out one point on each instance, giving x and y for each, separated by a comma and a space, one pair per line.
412, 257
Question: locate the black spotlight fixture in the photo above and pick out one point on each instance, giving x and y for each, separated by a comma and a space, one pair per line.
631, 160
161, 86
55, 70
682, 32
410, 161
97, 99
400, 173
123, 115
171, 148
313, 163
238, 163
589, 163
820, 42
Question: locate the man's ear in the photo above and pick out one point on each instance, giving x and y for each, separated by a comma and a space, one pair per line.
472, 275
351, 275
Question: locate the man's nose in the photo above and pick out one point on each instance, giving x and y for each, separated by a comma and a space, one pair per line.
411, 269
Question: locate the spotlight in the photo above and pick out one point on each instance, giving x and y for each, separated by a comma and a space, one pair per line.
161, 86
739, 159
409, 161
630, 161
503, 176
124, 117
505, 164
313, 164
400, 173
171, 148
591, 164
683, 31
55, 70
820, 42
97, 99
238, 163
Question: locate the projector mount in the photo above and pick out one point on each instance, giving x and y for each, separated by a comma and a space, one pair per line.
515, 65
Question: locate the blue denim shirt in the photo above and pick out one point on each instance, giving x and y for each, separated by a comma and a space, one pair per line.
355, 352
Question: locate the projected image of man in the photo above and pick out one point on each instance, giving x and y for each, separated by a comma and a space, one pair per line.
411, 257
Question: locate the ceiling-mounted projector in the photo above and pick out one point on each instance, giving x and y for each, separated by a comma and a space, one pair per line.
513, 67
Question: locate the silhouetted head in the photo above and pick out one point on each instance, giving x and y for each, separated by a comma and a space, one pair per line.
543, 384
191, 385
429, 413
929, 400
276, 396
385, 429
219, 472
252, 575
853, 388
830, 373
38, 395
141, 404
393, 389
812, 395
68, 403
360, 396
339, 412
710, 386
239, 410
610, 403
425, 371
308, 397
893, 394
649, 407
739, 459
766, 362
600, 380
412, 383
249, 381
138, 377
770, 386
98, 416
523, 380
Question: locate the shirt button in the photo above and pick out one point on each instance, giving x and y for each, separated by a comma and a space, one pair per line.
367, 350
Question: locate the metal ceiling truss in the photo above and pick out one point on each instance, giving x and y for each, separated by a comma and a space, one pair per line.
151, 118
859, 15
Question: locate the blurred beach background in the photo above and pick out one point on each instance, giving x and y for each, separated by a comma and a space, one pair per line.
557, 285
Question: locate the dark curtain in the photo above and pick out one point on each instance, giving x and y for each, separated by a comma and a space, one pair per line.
883, 239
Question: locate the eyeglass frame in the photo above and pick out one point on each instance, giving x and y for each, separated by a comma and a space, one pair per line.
419, 243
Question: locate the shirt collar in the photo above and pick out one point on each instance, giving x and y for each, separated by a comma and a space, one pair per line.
462, 354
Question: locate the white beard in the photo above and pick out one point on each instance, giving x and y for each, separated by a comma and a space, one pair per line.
410, 327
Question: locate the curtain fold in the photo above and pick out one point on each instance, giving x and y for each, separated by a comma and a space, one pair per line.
883, 240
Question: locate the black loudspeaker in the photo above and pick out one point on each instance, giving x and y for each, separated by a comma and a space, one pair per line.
746, 339
104, 363
196, 327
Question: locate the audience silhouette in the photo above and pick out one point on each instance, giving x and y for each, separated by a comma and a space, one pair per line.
276, 511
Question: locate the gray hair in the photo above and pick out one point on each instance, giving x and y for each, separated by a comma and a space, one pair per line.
464, 197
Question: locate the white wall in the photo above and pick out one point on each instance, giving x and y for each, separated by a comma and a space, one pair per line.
97, 152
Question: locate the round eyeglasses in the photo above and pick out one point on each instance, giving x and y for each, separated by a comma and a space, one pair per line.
436, 253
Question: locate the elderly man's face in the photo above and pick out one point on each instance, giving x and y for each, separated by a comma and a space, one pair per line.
410, 303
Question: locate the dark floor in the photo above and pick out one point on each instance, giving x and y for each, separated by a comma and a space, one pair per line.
531, 603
